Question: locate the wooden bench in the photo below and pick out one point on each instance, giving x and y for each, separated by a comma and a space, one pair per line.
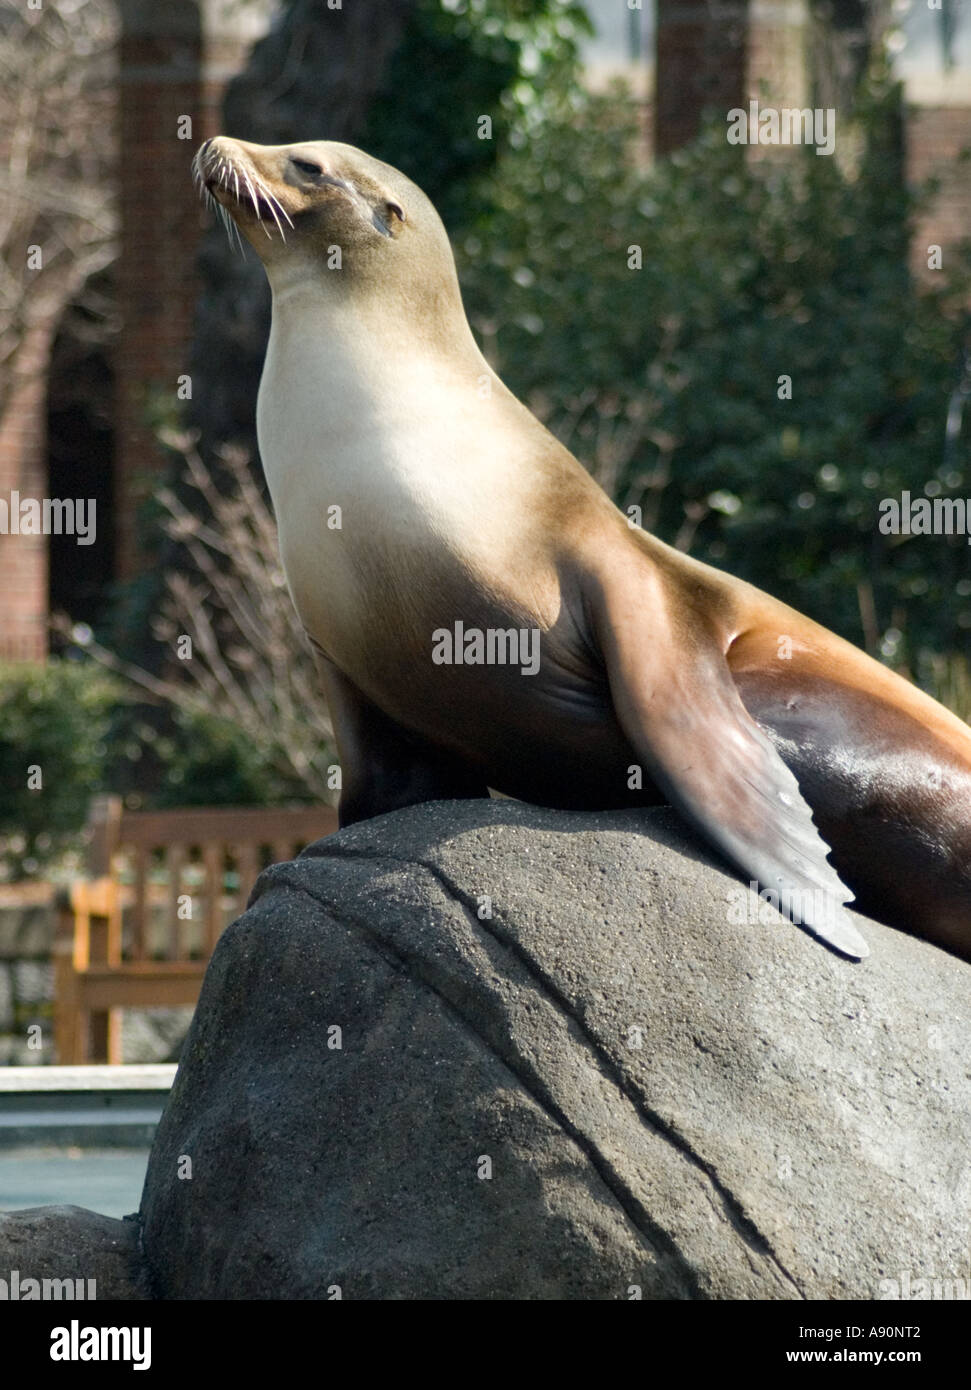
162, 885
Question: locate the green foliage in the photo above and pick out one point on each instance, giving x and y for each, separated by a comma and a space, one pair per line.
54, 725
460, 60
75, 730
182, 757
210, 762
794, 265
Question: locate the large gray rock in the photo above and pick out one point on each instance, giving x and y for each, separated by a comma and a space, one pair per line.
606, 1086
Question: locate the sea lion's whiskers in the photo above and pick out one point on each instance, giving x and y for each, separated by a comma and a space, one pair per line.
204, 169
231, 229
273, 203
273, 199
275, 218
221, 170
253, 199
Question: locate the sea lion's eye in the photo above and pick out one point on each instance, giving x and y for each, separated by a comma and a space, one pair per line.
305, 166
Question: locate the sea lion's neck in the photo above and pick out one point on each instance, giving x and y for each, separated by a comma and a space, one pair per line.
368, 394
362, 376
370, 325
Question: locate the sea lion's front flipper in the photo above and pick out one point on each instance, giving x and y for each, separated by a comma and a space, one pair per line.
385, 767
677, 703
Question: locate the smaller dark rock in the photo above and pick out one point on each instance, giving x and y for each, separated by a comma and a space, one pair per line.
73, 1243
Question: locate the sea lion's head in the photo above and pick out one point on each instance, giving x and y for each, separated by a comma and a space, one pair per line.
330, 215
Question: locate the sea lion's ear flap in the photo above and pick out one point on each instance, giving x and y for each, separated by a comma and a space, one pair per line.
393, 216
677, 704
387, 216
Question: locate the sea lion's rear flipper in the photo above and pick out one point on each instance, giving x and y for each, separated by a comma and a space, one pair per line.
677, 704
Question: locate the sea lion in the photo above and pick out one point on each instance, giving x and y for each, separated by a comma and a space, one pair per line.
428, 520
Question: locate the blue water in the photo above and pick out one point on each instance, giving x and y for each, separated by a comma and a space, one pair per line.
105, 1180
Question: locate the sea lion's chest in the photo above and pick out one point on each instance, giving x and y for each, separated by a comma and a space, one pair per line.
398, 506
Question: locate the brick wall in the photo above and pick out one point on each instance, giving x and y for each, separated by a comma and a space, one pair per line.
701, 62
170, 69
723, 53
935, 137
175, 60
719, 54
